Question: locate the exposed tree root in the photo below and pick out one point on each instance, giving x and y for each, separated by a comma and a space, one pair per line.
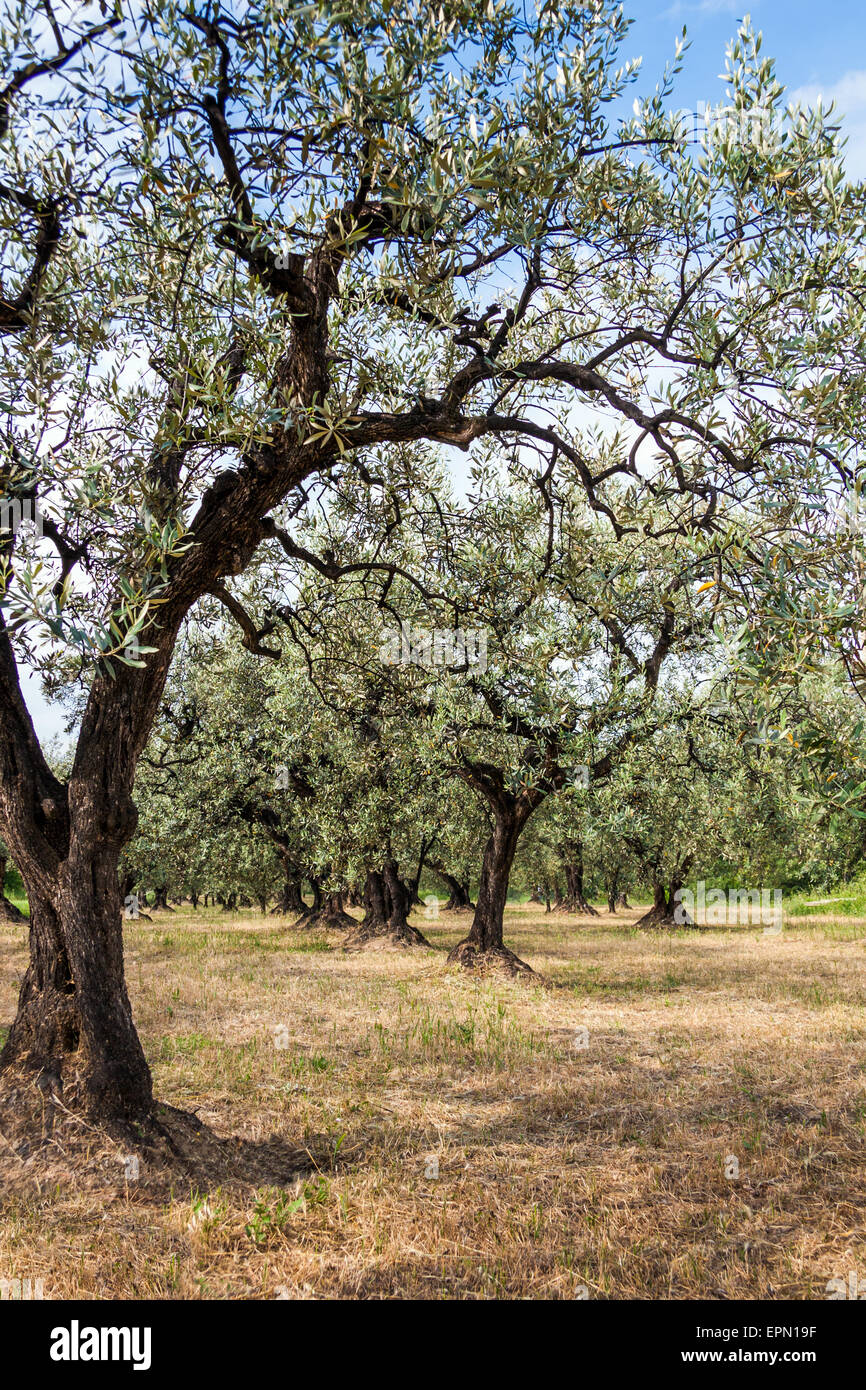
658, 919
44, 1142
498, 960
380, 935
577, 904
585, 907
288, 908
327, 918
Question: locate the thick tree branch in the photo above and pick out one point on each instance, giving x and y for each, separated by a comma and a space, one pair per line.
252, 635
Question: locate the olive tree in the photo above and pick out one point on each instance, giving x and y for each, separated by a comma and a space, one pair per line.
249, 247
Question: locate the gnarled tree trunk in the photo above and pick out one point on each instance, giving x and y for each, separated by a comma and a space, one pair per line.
661, 914
458, 890
387, 900
290, 900
73, 1034
484, 946
311, 910
576, 900
327, 910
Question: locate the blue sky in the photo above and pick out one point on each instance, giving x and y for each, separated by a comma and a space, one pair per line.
819, 50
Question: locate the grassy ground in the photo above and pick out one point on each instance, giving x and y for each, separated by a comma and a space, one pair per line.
603, 1160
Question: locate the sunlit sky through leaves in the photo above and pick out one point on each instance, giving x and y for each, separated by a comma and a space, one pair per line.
820, 51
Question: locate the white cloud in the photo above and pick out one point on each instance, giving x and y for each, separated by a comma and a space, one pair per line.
849, 96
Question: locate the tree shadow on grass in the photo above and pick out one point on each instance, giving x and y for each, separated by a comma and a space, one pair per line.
44, 1143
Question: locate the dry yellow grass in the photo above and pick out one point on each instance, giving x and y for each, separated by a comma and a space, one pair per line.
558, 1165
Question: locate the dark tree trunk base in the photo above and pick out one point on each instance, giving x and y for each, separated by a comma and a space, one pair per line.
663, 913
663, 919
586, 908
458, 898
73, 1039
290, 900
38, 1103
377, 936
458, 891
577, 905
9, 912
328, 921
65, 1087
45, 1143
329, 917
385, 923
496, 959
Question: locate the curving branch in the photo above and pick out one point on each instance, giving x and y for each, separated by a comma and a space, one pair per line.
251, 634
16, 314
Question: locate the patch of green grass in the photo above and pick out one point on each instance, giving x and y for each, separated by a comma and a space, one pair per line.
183, 1045
817, 996
486, 1035
274, 1209
590, 982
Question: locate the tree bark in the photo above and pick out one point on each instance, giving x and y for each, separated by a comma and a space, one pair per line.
375, 902
458, 890
74, 1026
612, 889
327, 911
399, 901
413, 884
334, 914
485, 946
308, 911
576, 900
387, 900
661, 914
290, 900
